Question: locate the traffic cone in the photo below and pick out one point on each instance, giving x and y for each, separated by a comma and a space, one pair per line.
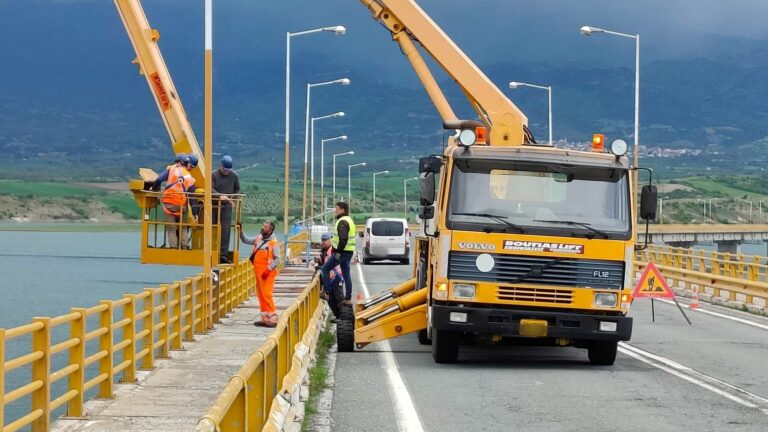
694, 299
359, 298
355, 260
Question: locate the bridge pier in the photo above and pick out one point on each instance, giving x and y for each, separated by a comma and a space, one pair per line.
728, 246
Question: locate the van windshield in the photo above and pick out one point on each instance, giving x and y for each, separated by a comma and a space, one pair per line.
387, 228
534, 198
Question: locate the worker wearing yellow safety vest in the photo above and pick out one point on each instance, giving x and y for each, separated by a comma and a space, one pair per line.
344, 248
179, 182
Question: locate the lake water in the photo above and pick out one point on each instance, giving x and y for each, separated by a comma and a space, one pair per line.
47, 273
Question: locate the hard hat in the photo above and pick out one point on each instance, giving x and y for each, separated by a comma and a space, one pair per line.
193, 160
184, 158
180, 157
326, 236
226, 161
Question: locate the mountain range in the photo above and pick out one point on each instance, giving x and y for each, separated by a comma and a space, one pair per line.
69, 96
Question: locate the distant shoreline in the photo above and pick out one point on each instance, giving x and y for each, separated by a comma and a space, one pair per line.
70, 227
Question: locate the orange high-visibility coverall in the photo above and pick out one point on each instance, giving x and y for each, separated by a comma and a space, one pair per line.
265, 262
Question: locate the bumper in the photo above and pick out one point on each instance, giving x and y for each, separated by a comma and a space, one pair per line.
507, 323
387, 256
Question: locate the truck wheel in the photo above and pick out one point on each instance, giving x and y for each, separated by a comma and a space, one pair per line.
424, 338
445, 346
602, 353
345, 334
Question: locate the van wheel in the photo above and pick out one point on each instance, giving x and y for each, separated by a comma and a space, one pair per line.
424, 337
602, 353
445, 346
405, 261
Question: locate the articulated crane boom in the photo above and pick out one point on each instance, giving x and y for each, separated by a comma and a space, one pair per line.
152, 66
407, 22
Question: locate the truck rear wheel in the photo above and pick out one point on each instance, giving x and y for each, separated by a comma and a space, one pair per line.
424, 338
345, 330
602, 353
445, 346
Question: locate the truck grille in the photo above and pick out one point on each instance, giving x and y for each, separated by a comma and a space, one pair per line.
548, 295
566, 272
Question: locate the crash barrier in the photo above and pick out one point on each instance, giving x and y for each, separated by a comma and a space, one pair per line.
82, 353
259, 395
732, 277
296, 248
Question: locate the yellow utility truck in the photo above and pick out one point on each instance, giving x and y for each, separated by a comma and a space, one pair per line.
520, 243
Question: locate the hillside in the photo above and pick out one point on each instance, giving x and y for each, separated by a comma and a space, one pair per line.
91, 116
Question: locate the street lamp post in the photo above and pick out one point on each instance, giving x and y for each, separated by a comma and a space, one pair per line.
705, 208
322, 167
310, 86
312, 157
338, 30
710, 210
405, 195
374, 189
349, 180
586, 31
515, 85
349, 153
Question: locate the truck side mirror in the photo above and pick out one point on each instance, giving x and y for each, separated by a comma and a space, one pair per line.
430, 164
426, 212
648, 202
427, 197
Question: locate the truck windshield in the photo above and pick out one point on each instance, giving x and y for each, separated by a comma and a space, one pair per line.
564, 200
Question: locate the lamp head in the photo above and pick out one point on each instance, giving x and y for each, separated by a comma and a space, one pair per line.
337, 30
343, 137
344, 81
513, 85
338, 114
587, 30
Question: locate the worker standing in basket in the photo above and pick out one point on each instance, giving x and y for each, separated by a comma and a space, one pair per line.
266, 260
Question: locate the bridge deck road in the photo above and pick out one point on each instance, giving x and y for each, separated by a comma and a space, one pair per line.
670, 377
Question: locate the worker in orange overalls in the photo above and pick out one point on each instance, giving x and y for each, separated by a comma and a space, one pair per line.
265, 259
179, 182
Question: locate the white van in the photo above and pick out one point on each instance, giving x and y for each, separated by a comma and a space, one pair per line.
386, 239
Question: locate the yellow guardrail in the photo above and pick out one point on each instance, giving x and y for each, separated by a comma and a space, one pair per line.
724, 275
246, 401
129, 335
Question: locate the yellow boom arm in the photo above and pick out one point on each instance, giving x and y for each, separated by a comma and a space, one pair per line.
408, 22
151, 64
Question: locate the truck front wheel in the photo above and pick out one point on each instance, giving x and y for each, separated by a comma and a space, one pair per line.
445, 346
602, 353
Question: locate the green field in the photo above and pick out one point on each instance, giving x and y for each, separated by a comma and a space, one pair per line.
46, 189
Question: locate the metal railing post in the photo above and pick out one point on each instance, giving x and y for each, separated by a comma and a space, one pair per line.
176, 315
106, 342
164, 333
129, 333
76, 379
41, 371
148, 362
189, 311
2, 378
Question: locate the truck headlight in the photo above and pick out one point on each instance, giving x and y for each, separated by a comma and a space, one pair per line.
607, 300
465, 291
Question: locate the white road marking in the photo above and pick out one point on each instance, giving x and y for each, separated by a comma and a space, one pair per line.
717, 386
719, 315
405, 411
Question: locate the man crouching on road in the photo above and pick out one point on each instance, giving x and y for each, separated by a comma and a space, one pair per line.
335, 297
343, 248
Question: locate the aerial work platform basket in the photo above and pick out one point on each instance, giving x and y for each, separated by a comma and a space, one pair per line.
179, 240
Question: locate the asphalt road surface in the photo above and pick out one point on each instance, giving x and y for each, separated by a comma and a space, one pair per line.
711, 376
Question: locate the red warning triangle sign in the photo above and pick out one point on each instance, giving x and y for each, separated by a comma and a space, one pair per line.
652, 284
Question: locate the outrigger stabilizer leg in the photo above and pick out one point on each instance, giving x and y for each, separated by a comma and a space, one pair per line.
399, 311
